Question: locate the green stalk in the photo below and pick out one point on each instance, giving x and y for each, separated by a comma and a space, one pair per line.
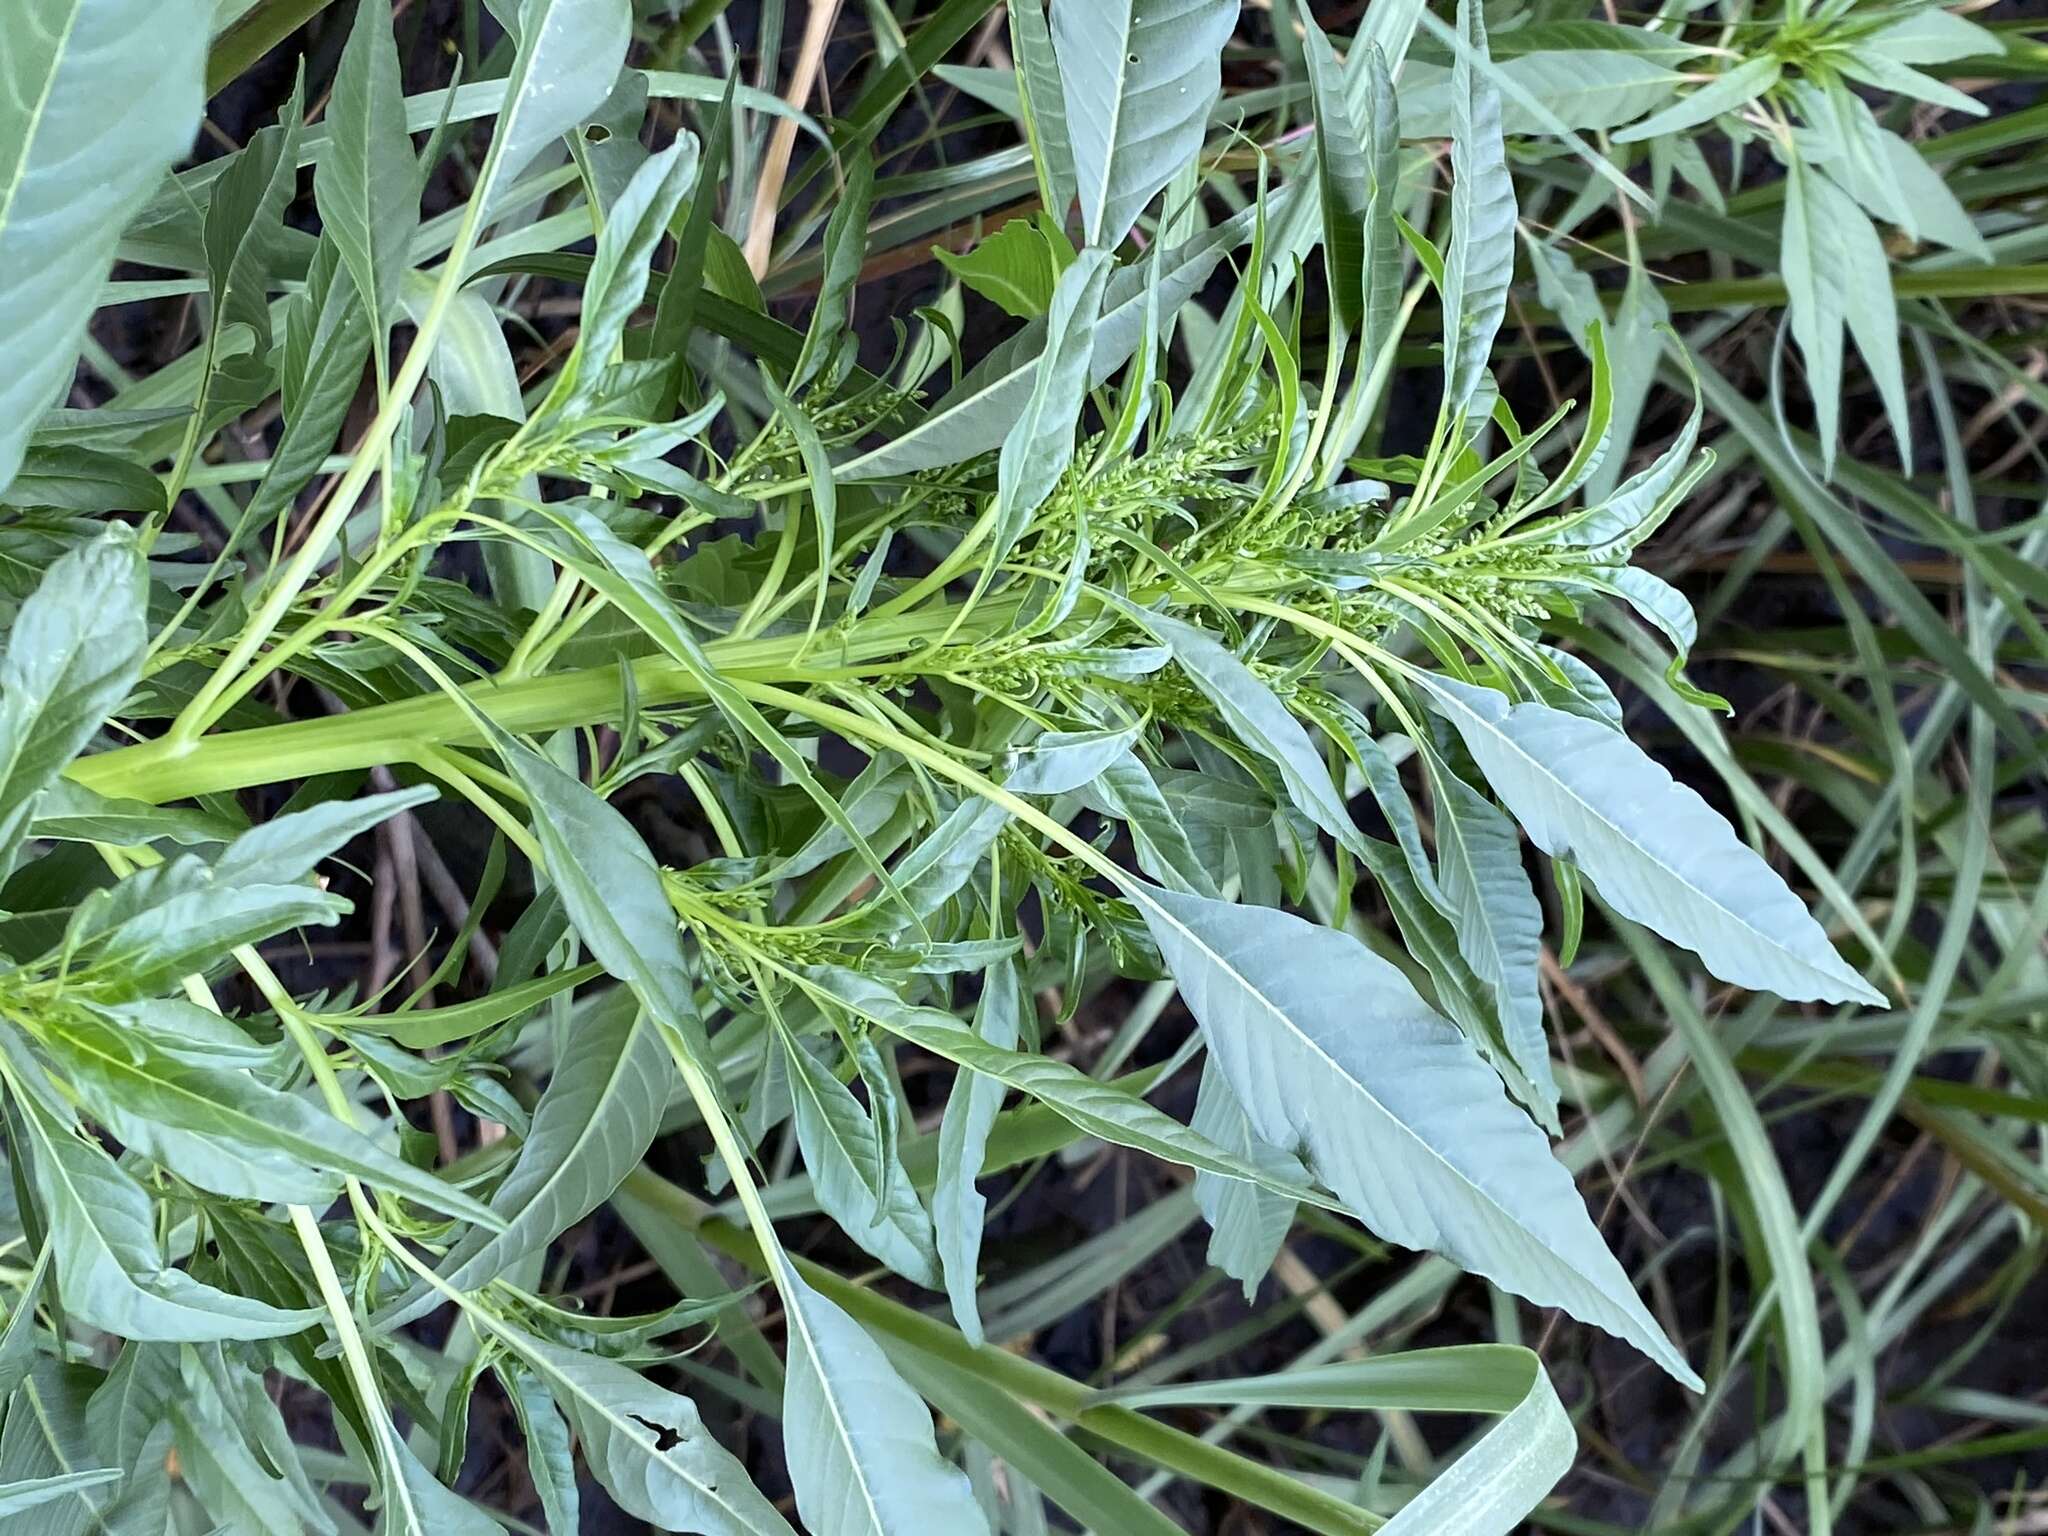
254, 33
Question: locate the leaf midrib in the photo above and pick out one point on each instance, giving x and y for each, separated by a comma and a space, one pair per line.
37, 113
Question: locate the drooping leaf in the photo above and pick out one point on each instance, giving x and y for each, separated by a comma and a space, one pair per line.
859, 1442
957, 1207
1656, 852
1498, 922
842, 1148
1330, 1051
550, 1452
228, 1132
1816, 283
110, 1270
1247, 1224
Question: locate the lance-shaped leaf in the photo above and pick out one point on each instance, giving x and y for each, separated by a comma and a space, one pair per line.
846, 243
365, 180
859, 1442
568, 61
1247, 1224
1101, 1109
618, 273
286, 848
1497, 920
590, 1129
1044, 104
647, 1446
97, 98
1480, 262
1345, 172
31, 1492
957, 1206
1139, 77
1330, 1050
110, 1270
842, 1147
1658, 853
1257, 718
228, 1132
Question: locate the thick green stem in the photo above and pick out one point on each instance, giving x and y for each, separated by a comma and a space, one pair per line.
167, 769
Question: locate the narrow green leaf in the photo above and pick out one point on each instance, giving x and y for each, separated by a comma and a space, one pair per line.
110, 1270
1257, 718
31, 1493
977, 413
1480, 261
286, 848
1582, 88
1247, 1224
567, 62
846, 241
1040, 445
842, 1147
365, 180
1342, 172
1498, 922
1101, 1109
1728, 91
1488, 1491
957, 1207
647, 1446
1043, 102
228, 1132
618, 273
